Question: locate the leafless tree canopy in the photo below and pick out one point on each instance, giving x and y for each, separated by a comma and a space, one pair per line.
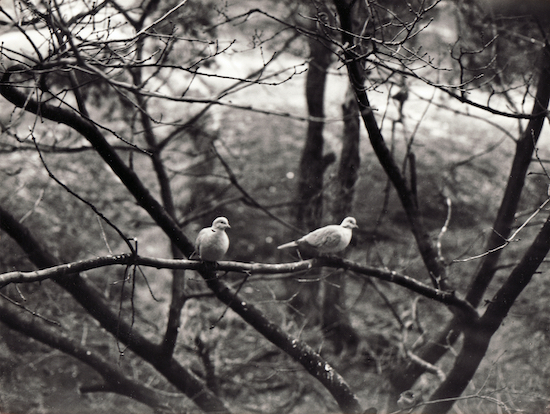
127, 126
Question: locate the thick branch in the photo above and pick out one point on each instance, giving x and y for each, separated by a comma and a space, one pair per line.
115, 380
356, 73
478, 335
93, 301
297, 349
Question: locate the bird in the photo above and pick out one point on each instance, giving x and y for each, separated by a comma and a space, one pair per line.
212, 242
329, 239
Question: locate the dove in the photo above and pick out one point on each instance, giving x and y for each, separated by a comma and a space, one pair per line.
329, 239
212, 242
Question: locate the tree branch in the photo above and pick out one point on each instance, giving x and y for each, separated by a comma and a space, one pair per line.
115, 380
247, 197
353, 62
89, 131
65, 270
95, 304
478, 335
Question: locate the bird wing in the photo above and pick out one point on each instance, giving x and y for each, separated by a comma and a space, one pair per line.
198, 241
201, 236
324, 238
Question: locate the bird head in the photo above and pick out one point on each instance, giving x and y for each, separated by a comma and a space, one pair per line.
349, 223
221, 223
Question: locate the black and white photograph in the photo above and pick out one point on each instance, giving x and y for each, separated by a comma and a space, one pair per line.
274, 207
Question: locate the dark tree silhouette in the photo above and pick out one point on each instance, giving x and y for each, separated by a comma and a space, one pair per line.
127, 126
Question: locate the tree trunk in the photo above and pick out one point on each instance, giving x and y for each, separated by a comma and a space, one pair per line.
477, 336
313, 163
336, 324
404, 379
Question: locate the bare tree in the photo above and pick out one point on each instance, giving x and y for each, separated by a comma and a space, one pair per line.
477, 331
123, 133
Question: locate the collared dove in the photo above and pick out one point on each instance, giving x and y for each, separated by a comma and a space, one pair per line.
212, 242
328, 239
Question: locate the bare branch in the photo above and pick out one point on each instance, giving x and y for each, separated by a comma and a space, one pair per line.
115, 380
160, 19
408, 282
435, 267
507, 240
462, 98
88, 203
247, 197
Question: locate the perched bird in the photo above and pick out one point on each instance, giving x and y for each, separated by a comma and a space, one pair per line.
212, 242
328, 239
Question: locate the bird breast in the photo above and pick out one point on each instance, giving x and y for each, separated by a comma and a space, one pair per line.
213, 245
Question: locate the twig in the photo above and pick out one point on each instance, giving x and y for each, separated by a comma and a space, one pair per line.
247, 275
34, 207
33, 313
104, 236
388, 304
88, 203
160, 19
506, 241
248, 197
449, 90
444, 229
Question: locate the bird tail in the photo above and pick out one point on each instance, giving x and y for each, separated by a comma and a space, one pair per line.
287, 245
